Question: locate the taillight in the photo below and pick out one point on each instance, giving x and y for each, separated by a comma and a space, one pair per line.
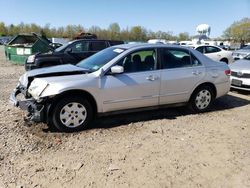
228, 72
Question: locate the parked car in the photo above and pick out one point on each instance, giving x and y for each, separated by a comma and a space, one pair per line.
215, 53
241, 53
121, 78
72, 53
240, 75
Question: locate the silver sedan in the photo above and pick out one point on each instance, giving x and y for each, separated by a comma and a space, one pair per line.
120, 79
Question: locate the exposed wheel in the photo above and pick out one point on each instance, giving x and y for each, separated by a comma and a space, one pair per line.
202, 99
72, 114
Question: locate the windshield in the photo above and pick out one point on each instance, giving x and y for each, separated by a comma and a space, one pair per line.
96, 61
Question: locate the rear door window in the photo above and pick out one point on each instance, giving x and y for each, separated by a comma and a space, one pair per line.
177, 58
211, 49
97, 45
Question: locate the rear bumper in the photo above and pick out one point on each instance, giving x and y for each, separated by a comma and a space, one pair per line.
245, 83
36, 111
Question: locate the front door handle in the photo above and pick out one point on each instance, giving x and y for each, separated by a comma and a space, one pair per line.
152, 78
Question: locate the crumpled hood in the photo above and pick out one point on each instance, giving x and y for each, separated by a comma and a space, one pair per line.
240, 65
60, 70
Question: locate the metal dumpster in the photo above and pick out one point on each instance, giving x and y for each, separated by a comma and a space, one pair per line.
23, 45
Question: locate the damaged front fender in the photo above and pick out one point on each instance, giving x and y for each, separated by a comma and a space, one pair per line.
36, 111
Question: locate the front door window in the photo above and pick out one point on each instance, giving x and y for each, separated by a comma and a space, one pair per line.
144, 60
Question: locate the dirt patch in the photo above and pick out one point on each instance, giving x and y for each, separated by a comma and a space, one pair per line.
164, 148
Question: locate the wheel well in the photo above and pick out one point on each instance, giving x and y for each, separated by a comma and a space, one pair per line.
224, 60
79, 93
212, 86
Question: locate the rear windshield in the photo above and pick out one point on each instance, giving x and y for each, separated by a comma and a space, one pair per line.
96, 61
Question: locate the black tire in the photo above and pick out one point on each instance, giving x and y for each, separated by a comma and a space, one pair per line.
195, 102
59, 111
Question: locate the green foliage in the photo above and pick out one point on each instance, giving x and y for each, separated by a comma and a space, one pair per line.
3, 29
184, 36
114, 32
239, 31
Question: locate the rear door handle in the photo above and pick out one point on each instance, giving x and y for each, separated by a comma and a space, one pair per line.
152, 78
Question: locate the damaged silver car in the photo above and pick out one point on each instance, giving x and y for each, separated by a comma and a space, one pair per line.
120, 79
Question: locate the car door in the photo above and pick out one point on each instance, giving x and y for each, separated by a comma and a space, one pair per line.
76, 52
213, 53
180, 73
138, 86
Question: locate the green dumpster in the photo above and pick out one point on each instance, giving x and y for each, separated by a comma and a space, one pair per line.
24, 45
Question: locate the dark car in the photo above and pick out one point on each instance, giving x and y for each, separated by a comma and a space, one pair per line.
70, 53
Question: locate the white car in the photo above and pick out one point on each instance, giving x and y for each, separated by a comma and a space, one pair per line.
215, 53
240, 74
241, 53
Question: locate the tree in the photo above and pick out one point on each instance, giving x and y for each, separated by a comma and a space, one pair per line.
183, 36
3, 29
60, 32
239, 31
46, 30
114, 31
138, 33
13, 30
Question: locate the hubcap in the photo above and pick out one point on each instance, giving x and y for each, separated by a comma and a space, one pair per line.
73, 115
203, 99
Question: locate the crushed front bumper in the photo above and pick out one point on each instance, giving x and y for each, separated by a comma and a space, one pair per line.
36, 111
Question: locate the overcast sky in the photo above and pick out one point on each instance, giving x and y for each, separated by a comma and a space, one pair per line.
175, 15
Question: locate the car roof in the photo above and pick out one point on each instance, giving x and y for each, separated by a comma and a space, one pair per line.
149, 45
93, 40
204, 45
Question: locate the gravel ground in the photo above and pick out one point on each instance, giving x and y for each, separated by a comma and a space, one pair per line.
164, 148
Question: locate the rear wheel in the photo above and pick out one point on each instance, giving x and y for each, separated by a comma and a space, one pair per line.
202, 99
72, 114
224, 60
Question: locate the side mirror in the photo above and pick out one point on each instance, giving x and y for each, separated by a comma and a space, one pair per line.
117, 69
68, 50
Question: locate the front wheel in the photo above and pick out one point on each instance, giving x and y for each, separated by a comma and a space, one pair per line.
202, 99
72, 114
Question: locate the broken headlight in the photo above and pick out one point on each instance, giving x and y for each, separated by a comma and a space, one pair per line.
37, 87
